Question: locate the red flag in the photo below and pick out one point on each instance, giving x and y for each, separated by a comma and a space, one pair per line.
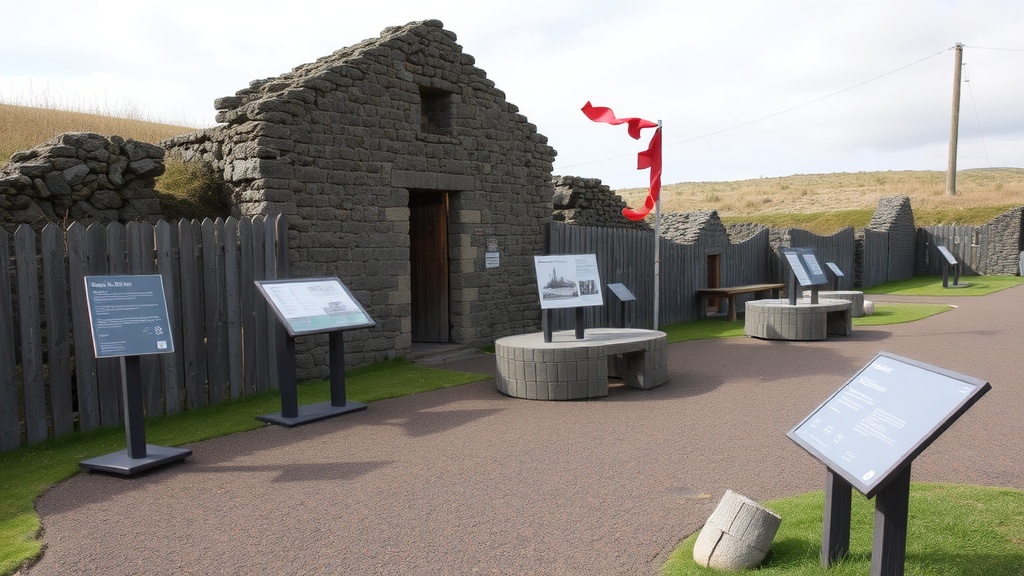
650, 158
602, 114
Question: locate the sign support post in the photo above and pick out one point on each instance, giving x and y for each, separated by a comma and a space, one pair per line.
835, 543
129, 318
867, 434
313, 306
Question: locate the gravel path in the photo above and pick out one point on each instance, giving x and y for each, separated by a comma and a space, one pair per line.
467, 481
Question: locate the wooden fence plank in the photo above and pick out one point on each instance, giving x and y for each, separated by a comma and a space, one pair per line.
265, 379
33, 383
109, 369
233, 311
249, 304
10, 419
86, 375
141, 261
58, 342
171, 365
193, 327
216, 319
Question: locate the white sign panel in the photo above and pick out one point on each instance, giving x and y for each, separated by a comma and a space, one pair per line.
568, 281
311, 305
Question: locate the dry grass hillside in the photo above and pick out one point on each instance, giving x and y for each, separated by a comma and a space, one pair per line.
826, 202
821, 203
23, 127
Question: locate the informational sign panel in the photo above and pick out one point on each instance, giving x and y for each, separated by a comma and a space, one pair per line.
947, 255
621, 292
805, 266
128, 315
835, 269
883, 417
568, 281
311, 305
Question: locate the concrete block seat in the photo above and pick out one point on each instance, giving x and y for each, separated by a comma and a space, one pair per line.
776, 319
855, 297
571, 369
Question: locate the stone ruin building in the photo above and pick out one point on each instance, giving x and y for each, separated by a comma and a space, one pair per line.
400, 167
588, 202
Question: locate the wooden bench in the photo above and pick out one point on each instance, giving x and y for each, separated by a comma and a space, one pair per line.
730, 293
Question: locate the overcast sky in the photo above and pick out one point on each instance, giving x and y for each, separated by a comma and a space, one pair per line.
744, 88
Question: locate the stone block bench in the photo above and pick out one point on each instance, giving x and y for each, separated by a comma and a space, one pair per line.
777, 319
571, 369
855, 297
730, 293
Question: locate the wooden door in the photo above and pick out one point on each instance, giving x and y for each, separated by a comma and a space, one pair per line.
428, 259
714, 281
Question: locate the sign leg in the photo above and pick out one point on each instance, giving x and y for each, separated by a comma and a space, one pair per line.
580, 323
287, 380
134, 413
889, 544
336, 356
835, 537
545, 320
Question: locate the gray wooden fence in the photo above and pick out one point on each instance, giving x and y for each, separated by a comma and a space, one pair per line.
839, 248
968, 243
626, 256
51, 384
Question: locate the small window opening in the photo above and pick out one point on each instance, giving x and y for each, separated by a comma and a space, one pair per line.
435, 111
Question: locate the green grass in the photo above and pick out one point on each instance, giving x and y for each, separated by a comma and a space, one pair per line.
953, 530
721, 327
27, 472
932, 286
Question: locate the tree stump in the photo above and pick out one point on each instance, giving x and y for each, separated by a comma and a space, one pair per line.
738, 534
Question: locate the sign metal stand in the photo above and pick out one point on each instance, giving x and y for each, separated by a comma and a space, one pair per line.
129, 319
805, 271
313, 306
867, 434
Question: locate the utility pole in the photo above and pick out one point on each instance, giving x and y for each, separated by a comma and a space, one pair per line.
954, 126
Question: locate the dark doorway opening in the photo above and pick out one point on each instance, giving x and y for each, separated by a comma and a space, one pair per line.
714, 281
428, 259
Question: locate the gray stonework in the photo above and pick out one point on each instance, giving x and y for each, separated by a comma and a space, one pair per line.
83, 177
342, 144
894, 216
1005, 242
588, 202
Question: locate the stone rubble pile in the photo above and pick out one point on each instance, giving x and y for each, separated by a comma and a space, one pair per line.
81, 176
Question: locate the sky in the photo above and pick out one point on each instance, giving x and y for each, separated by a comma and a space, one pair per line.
744, 88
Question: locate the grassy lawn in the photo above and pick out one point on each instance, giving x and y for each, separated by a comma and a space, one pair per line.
26, 473
932, 286
953, 530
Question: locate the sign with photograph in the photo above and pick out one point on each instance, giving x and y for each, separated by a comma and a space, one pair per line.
128, 315
568, 281
883, 417
311, 305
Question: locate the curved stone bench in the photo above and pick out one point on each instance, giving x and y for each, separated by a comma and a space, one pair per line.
776, 319
571, 369
855, 297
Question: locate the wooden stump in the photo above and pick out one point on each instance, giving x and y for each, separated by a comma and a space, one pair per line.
738, 534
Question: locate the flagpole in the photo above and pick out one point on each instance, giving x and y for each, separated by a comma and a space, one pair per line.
657, 252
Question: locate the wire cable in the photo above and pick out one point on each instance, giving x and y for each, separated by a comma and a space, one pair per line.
774, 114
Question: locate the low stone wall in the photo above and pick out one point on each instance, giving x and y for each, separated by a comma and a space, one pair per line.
83, 177
588, 202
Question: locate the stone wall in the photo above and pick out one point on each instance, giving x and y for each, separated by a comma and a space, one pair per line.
1005, 235
343, 144
80, 176
894, 216
588, 202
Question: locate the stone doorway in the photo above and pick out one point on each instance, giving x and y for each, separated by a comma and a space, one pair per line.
428, 260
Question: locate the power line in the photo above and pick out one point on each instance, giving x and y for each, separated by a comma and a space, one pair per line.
774, 114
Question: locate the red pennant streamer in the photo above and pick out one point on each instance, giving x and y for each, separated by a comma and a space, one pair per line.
650, 158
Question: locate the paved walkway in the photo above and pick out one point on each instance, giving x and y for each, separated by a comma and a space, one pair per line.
468, 481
